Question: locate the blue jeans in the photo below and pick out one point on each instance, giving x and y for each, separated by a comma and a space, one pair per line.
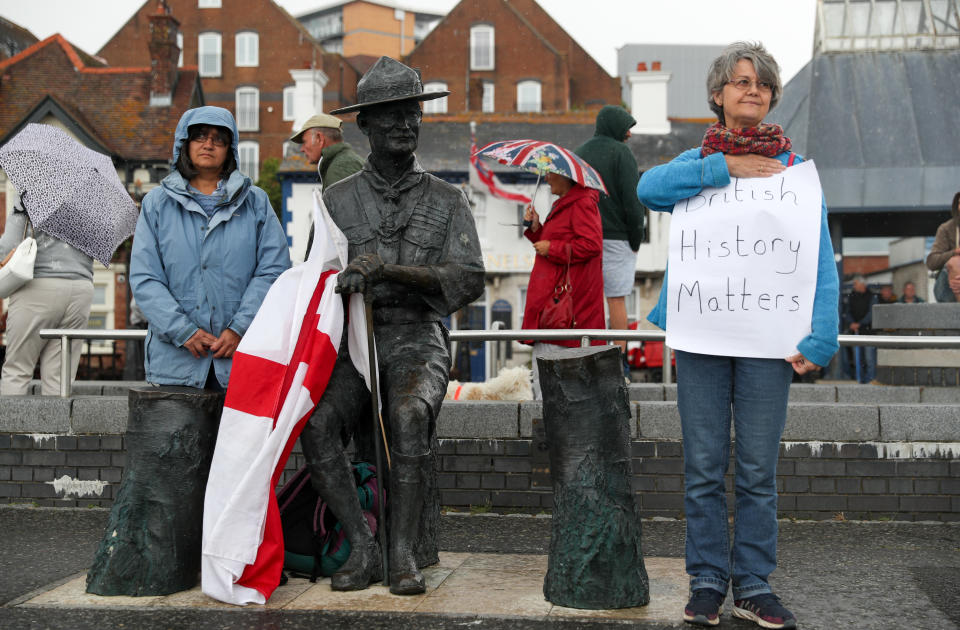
711, 389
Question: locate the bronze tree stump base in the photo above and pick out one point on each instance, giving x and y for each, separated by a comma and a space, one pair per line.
153, 539
595, 559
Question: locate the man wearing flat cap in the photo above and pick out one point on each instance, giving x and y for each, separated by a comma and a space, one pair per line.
413, 245
321, 142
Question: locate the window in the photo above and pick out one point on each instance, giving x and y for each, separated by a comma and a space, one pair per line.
249, 159
180, 46
208, 4
288, 96
248, 109
248, 49
528, 96
481, 47
208, 54
487, 103
437, 105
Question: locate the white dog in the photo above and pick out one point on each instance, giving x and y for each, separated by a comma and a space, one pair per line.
510, 384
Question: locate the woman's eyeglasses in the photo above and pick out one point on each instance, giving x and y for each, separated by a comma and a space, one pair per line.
744, 84
202, 135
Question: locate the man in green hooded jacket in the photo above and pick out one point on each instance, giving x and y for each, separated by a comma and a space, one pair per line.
621, 213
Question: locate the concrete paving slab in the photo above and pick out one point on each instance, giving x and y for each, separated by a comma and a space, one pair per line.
658, 420
35, 414
100, 414
645, 391
808, 392
940, 395
921, 423
477, 419
830, 422
874, 394
460, 584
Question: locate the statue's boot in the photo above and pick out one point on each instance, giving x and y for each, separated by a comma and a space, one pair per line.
405, 502
333, 480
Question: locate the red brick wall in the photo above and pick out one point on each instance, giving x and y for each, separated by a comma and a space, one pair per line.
569, 77
283, 46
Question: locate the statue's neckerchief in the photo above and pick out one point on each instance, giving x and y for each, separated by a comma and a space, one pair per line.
389, 206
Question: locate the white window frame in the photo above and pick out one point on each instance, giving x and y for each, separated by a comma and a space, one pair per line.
247, 48
180, 46
249, 152
215, 40
528, 105
487, 100
248, 118
289, 100
437, 105
478, 34
208, 4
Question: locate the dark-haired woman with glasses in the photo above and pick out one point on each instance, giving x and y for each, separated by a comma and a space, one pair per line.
208, 245
743, 84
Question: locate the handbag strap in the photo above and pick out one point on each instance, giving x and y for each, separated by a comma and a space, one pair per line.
27, 223
565, 285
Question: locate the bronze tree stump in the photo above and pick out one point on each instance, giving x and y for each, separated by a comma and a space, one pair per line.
595, 559
152, 543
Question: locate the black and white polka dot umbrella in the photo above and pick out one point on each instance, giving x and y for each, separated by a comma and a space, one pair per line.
69, 191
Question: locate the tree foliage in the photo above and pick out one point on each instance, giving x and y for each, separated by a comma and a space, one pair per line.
270, 183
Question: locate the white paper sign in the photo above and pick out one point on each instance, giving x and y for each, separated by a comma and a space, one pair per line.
742, 270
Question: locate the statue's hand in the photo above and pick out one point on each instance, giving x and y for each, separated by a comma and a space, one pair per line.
361, 274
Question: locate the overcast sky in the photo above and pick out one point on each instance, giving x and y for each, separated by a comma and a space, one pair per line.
784, 26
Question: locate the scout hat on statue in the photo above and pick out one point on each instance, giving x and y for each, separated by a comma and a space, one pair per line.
389, 81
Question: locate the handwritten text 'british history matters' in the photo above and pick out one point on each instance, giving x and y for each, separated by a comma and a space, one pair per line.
743, 265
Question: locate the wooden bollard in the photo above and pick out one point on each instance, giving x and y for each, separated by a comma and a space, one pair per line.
153, 538
595, 560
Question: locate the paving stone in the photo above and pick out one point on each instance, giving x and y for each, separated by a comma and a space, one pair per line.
658, 420
922, 423
831, 422
670, 391
477, 419
915, 316
100, 414
807, 392
645, 391
941, 395
875, 394
35, 414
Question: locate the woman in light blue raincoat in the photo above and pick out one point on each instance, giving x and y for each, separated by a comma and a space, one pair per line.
207, 247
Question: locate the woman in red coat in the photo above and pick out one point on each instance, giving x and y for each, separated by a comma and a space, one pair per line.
574, 221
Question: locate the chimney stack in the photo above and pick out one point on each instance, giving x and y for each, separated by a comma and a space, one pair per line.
648, 99
164, 54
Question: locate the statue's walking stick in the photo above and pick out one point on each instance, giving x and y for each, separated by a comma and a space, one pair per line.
380, 444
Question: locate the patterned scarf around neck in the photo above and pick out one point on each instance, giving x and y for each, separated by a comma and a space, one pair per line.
764, 139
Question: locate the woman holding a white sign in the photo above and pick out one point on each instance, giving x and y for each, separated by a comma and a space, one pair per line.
750, 380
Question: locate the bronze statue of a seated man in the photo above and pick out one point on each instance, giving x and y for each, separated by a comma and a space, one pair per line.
413, 245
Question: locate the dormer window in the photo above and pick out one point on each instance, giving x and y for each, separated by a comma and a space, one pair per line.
481, 47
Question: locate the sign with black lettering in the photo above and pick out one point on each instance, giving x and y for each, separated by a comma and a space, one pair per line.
742, 267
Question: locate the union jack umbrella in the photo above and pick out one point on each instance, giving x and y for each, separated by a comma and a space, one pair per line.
541, 158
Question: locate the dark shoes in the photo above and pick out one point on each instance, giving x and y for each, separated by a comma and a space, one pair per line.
765, 610
704, 606
361, 568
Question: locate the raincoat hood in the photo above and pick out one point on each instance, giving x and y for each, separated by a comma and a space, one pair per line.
206, 115
613, 122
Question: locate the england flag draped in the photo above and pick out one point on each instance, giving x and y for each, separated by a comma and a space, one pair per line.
280, 371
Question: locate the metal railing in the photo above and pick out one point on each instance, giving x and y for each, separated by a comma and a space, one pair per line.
584, 335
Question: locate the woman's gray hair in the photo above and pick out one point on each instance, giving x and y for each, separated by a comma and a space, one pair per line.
722, 68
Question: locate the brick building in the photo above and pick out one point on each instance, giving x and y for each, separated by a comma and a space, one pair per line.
509, 56
128, 113
369, 27
254, 59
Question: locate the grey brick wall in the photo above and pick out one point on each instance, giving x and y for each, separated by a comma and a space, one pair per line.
833, 480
